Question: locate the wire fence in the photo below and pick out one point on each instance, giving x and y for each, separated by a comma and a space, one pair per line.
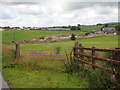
42, 49
46, 53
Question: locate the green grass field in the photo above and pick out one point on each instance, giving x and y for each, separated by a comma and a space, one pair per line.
22, 78
98, 42
91, 27
37, 72
97, 27
8, 36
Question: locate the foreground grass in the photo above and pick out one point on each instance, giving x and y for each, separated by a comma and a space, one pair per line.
21, 78
37, 72
30, 72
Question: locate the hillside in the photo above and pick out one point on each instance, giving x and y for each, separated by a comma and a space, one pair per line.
91, 27
112, 24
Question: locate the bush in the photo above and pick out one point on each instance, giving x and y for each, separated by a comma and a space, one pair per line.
114, 67
41, 38
73, 37
95, 78
106, 25
87, 33
70, 66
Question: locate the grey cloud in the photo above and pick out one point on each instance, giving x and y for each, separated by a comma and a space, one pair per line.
29, 13
24, 0
104, 12
20, 3
48, 14
80, 5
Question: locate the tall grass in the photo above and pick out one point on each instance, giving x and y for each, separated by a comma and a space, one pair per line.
97, 78
57, 50
114, 67
38, 72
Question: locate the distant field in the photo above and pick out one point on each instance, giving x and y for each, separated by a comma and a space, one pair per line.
91, 27
99, 42
97, 27
8, 36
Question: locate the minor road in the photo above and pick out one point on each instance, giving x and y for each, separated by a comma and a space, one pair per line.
4, 84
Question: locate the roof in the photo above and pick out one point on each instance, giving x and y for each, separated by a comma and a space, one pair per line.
59, 29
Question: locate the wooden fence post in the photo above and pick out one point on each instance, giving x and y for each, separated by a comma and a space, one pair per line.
75, 50
82, 51
117, 57
118, 54
93, 54
17, 51
80, 45
82, 57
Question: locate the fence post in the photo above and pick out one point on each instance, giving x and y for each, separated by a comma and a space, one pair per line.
117, 54
93, 54
82, 57
80, 45
17, 51
117, 57
75, 50
82, 51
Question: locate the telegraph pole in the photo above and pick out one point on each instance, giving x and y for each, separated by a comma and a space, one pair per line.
14, 37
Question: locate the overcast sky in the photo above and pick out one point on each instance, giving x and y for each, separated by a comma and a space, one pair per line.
56, 13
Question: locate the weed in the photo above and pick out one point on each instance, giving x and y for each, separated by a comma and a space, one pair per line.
114, 67
57, 50
97, 78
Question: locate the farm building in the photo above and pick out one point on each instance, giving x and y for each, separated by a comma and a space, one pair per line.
109, 30
64, 29
42, 29
1, 29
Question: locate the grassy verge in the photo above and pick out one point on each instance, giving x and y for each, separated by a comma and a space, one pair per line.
38, 73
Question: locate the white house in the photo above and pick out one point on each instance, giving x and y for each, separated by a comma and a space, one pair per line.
109, 30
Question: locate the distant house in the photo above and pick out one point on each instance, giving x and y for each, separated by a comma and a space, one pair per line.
5, 29
43, 29
1, 29
109, 30
92, 31
38, 28
15, 28
59, 29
